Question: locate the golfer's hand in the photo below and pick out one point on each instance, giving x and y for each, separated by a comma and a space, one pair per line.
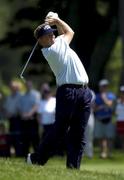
52, 20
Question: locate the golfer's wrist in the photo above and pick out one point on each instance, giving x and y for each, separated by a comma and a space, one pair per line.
58, 22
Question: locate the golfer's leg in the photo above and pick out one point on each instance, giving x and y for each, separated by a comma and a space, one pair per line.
48, 144
76, 140
76, 136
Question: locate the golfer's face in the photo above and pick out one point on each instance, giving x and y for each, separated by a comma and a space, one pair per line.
47, 40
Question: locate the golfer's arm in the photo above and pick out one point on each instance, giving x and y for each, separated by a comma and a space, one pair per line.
65, 29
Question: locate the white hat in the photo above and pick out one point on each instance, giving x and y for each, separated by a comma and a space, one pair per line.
103, 82
122, 88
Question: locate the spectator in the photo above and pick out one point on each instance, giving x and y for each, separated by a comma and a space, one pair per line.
28, 107
46, 109
47, 117
30, 88
120, 116
104, 130
4, 142
90, 130
11, 112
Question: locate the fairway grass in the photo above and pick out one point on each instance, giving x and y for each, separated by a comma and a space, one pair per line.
91, 169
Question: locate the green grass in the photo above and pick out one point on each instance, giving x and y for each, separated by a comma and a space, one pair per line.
91, 169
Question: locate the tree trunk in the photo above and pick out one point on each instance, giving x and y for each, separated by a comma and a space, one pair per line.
102, 53
121, 20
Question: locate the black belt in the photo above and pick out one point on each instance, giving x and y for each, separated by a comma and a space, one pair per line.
74, 86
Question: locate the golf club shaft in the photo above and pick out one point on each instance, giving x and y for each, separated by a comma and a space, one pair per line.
21, 75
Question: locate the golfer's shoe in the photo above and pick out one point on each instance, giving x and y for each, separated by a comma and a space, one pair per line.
29, 159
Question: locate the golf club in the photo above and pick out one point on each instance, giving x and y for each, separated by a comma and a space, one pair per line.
21, 74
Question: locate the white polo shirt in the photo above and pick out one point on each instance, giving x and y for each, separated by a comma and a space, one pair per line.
47, 111
65, 64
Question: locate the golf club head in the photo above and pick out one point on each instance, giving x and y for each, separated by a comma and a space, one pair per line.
22, 78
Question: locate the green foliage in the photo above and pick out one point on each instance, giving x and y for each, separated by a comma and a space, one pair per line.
17, 43
4, 90
102, 7
18, 19
114, 66
5, 16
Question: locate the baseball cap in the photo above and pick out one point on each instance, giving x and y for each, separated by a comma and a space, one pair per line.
42, 30
122, 88
103, 82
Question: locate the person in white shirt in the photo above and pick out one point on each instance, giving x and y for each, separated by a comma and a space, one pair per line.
120, 116
46, 109
73, 97
89, 151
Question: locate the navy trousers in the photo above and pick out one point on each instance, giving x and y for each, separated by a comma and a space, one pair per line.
72, 113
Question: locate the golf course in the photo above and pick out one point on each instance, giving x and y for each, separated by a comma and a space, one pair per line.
91, 169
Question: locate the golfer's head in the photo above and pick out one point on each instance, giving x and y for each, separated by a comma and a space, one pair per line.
44, 34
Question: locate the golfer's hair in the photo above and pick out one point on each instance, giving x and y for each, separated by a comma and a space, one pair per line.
36, 31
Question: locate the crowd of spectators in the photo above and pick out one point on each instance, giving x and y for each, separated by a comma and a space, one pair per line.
26, 117
107, 121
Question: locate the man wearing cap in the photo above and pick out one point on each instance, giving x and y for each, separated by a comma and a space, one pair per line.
103, 112
73, 97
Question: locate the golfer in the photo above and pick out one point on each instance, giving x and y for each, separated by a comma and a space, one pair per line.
73, 97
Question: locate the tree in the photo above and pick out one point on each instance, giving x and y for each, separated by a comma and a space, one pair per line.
95, 25
121, 20
107, 29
